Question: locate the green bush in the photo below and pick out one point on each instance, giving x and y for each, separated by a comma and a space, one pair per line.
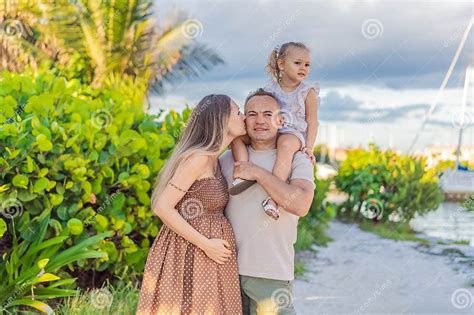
89, 157
311, 228
383, 185
468, 204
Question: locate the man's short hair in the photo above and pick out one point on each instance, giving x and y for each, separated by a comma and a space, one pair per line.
262, 92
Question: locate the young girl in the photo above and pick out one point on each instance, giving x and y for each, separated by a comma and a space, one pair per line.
288, 66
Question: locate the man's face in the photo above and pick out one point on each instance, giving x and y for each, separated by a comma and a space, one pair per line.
262, 118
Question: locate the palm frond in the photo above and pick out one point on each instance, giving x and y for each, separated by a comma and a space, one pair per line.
195, 59
18, 44
109, 37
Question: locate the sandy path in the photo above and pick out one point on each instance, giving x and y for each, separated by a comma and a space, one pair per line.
361, 273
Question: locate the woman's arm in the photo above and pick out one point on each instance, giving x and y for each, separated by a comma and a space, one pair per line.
184, 177
311, 110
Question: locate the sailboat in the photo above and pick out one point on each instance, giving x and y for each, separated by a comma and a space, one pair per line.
456, 183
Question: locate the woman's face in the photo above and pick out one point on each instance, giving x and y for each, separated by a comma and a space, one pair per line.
236, 124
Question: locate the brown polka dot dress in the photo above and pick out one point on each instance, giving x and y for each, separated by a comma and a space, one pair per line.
179, 278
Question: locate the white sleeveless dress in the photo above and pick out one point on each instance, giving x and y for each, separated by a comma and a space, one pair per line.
293, 107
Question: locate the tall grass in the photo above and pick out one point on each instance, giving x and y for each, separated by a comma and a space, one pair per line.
121, 300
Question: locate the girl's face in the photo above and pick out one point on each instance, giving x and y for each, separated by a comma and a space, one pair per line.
236, 123
296, 64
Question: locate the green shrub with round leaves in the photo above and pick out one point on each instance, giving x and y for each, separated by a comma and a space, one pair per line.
90, 156
386, 186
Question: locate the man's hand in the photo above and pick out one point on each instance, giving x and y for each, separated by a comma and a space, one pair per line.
310, 154
246, 170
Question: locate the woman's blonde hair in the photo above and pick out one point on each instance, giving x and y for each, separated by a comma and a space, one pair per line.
279, 53
203, 134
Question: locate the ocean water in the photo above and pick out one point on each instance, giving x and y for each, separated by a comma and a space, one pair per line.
450, 221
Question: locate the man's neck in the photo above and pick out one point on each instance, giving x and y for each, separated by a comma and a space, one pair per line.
263, 146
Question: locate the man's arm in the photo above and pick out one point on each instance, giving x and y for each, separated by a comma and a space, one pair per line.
295, 197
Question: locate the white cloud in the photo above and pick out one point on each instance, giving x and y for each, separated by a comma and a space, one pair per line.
413, 31
399, 71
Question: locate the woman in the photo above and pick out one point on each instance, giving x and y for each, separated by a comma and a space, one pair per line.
192, 265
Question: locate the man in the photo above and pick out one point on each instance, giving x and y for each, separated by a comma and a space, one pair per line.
265, 251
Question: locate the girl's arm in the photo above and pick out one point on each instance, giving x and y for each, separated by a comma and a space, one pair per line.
184, 177
311, 106
239, 148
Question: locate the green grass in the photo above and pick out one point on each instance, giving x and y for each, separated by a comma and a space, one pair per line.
300, 268
394, 231
461, 242
401, 231
108, 300
309, 234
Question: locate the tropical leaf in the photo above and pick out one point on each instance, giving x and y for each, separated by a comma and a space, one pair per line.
40, 306
97, 40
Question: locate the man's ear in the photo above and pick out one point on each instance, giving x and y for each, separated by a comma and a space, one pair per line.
280, 119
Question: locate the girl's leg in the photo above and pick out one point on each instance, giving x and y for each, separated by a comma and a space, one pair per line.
287, 146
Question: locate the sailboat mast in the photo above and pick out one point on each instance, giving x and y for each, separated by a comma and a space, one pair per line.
468, 82
443, 84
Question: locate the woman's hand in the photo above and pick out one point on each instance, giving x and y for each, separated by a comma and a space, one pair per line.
310, 154
217, 250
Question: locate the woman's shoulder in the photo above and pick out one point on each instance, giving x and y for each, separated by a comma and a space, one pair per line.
196, 160
200, 156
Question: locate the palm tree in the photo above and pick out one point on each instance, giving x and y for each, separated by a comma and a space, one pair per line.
18, 44
102, 40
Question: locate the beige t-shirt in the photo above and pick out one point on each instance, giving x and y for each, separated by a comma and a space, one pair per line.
264, 246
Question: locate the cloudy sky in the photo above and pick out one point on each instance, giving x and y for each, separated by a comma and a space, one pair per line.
379, 63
